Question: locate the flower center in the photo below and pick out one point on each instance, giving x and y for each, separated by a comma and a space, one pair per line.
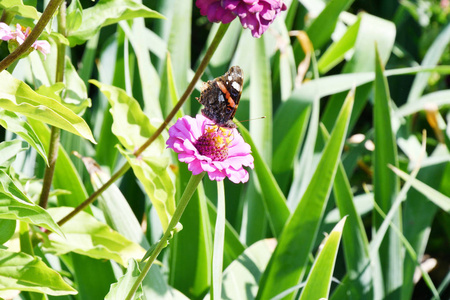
214, 143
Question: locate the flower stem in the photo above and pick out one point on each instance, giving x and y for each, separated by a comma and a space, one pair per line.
201, 69
35, 33
188, 192
219, 237
55, 133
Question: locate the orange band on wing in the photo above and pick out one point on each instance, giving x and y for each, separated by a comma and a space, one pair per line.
227, 94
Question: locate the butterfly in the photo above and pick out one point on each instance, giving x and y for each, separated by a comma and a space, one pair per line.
221, 97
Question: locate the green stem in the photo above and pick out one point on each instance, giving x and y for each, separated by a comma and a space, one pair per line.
35, 33
95, 195
55, 133
188, 192
201, 69
219, 238
50, 169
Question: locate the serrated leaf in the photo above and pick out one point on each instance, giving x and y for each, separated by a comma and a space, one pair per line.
120, 289
20, 271
87, 236
107, 12
132, 127
15, 205
73, 90
12, 122
17, 96
152, 173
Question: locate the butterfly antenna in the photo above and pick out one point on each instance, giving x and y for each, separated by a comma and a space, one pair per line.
259, 118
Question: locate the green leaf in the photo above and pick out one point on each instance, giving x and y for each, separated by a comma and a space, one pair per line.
66, 176
194, 241
20, 271
15, 205
431, 59
433, 195
233, 246
155, 286
120, 289
132, 127
440, 98
115, 207
73, 90
386, 184
149, 77
8, 227
9, 151
74, 16
18, 8
319, 279
274, 200
178, 36
240, 279
87, 236
372, 30
336, 52
356, 244
290, 124
288, 263
323, 26
107, 12
18, 97
12, 122
419, 213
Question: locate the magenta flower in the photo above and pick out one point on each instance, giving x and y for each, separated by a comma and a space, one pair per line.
256, 15
222, 152
5, 32
19, 35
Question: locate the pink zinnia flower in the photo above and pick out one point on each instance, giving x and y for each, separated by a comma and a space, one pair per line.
5, 32
20, 35
256, 15
222, 152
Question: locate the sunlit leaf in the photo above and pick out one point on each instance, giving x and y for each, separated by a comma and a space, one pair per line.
20, 271
107, 12
18, 97
87, 236
132, 127
319, 279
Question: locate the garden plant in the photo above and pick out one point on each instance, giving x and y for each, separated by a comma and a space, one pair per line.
224, 149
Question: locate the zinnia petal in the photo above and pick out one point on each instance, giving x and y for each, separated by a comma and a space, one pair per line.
226, 153
257, 15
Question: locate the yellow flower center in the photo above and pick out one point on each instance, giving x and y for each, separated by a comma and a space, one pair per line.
214, 143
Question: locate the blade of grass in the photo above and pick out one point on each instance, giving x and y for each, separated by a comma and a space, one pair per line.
386, 184
288, 263
319, 279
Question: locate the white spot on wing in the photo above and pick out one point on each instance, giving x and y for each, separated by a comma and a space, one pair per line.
236, 86
229, 77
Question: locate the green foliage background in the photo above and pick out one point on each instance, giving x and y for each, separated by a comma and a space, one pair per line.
348, 89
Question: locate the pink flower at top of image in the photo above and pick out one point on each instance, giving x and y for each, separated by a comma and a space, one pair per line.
255, 15
20, 34
221, 152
